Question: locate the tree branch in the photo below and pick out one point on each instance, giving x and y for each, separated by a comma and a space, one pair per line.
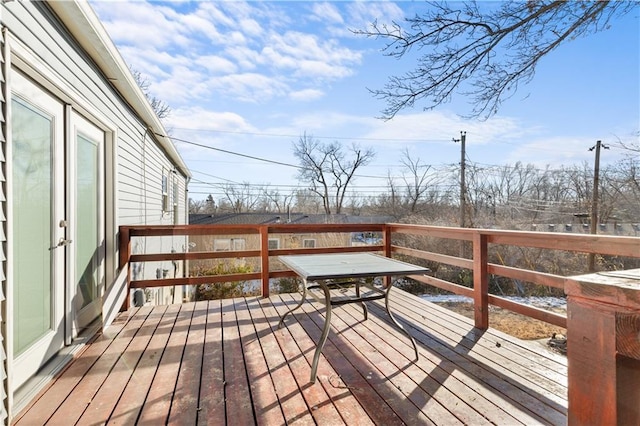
482, 54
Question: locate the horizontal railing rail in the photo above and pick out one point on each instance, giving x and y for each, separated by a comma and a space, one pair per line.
392, 243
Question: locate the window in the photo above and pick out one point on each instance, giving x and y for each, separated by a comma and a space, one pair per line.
222, 245
176, 193
274, 244
309, 243
229, 244
165, 191
238, 244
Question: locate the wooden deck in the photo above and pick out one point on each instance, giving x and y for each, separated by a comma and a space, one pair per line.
224, 362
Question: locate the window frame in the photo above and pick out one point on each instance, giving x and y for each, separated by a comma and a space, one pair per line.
277, 243
164, 189
217, 242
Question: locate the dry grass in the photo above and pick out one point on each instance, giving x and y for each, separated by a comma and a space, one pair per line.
516, 325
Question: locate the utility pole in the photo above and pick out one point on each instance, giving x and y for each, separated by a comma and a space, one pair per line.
594, 202
463, 189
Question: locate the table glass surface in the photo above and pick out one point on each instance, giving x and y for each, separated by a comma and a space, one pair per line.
348, 265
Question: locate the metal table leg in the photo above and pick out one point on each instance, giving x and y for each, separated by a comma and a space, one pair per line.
325, 329
365, 312
304, 296
386, 305
325, 332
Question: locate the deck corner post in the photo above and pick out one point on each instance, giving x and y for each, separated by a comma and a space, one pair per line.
264, 259
480, 281
125, 254
603, 348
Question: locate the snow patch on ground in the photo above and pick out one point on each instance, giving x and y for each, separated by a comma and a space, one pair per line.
538, 302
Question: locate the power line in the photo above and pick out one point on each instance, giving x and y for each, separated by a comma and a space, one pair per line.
436, 167
353, 185
284, 135
364, 189
256, 188
280, 163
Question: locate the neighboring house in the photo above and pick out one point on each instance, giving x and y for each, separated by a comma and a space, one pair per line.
81, 153
277, 241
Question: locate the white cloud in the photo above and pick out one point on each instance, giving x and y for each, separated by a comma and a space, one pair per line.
554, 151
212, 11
306, 95
178, 92
443, 126
323, 11
308, 56
141, 23
203, 119
250, 49
248, 87
360, 15
251, 27
246, 58
192, 24
215, 64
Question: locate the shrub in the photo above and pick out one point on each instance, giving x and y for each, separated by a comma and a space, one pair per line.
223, 290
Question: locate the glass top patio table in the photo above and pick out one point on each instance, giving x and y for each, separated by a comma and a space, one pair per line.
323, 269
314, 267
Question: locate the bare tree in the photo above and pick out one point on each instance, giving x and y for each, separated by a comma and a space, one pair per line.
240, 198
160, 107
202, 206
418, 181
196, 206
276, 201
307, 201
390, 203
329, 169
482, 51
621, 190
632, 146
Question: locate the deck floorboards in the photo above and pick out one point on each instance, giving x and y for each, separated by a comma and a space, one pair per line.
225, 362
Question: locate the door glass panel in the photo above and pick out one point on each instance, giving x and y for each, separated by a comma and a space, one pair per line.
32, 211
87, 211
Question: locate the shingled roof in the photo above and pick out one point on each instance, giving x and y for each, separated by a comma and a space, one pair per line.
270, 218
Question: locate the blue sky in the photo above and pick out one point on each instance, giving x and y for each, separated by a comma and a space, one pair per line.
252, 77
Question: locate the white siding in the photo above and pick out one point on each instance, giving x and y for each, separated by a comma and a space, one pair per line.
4, 389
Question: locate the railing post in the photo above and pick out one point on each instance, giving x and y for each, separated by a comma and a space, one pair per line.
264, 259
386, 243
480, 281
125, 254
386, 240
603, 348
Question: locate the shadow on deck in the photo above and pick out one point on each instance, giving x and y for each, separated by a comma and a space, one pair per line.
224, 361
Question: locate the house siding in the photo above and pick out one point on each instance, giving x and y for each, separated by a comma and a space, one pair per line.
134, 172
4, 389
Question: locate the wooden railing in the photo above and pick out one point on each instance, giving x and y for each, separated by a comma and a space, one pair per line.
263, 253
479, 240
